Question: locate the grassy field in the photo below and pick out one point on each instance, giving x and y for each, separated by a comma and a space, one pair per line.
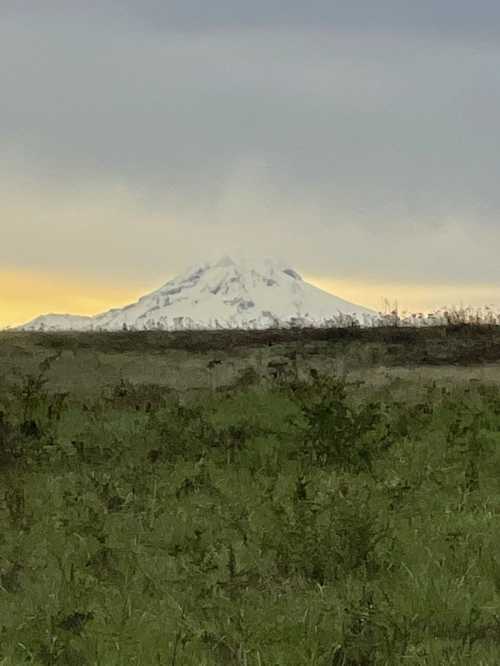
191, 362
297, 499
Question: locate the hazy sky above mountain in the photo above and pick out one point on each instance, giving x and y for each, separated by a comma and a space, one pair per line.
360, 140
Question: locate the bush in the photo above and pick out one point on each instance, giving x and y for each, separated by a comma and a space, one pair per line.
334, 433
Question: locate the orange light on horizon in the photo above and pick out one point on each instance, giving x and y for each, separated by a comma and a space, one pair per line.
26, 294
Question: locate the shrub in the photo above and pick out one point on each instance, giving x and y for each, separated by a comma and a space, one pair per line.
334, 433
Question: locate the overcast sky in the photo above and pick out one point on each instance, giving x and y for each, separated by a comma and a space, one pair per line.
359, 140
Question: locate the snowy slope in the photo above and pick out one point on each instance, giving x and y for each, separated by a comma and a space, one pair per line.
227, 293
57, 322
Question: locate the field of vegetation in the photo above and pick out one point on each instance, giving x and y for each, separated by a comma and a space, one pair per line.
290, 511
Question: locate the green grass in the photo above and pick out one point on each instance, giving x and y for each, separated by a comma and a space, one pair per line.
296, 525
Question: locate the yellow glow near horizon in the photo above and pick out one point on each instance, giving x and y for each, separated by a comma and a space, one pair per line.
26, 294
410, 297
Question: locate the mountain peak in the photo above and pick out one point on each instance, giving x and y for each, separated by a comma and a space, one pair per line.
231, 291
245, 262
225, 261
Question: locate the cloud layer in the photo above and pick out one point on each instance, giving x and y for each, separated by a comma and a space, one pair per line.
362, 144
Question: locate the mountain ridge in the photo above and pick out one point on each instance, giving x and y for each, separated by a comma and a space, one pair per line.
225, 293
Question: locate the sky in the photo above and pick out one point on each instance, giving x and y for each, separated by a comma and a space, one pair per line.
360, 140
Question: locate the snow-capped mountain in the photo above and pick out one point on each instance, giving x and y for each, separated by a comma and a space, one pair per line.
227, 293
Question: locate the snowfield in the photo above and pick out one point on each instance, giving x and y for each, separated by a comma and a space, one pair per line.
226, 293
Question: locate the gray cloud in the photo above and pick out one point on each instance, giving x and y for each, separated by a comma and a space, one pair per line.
328, 128
447, 16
